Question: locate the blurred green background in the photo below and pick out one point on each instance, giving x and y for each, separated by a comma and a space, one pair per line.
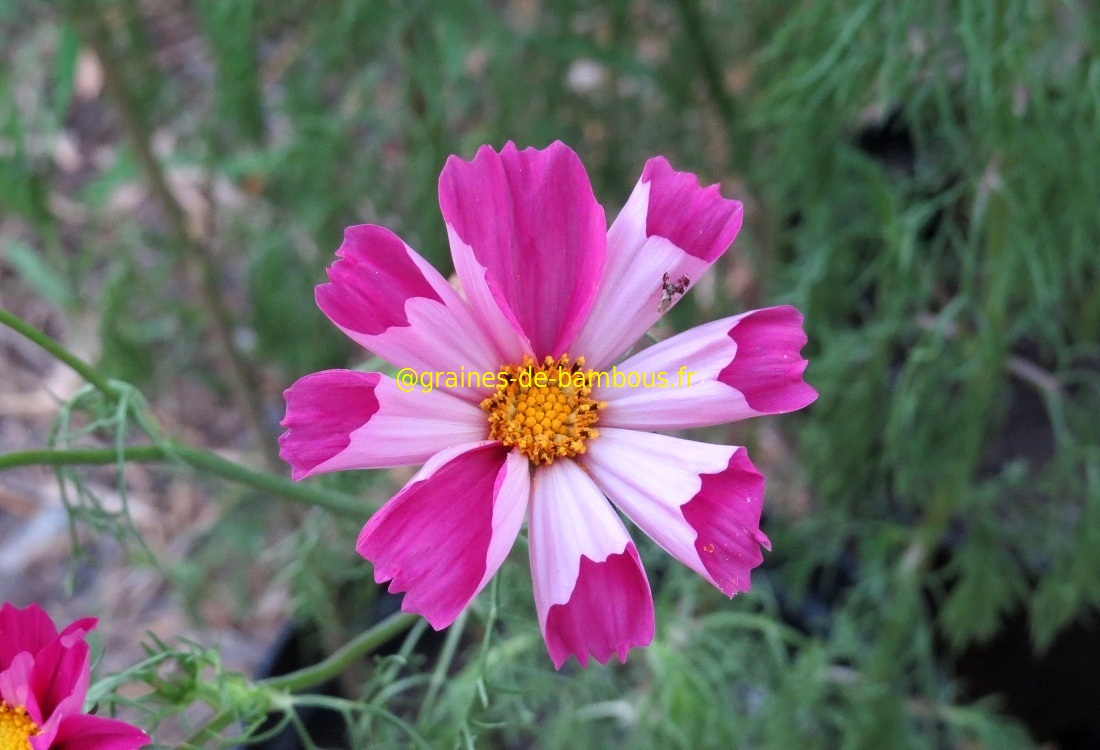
921, 179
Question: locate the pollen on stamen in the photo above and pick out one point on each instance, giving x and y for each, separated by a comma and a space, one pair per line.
545, 410
16, 728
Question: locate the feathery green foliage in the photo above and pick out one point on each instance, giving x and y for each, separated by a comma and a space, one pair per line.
920, 180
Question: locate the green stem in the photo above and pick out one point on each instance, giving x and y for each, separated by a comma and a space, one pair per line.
363, 644
210, 729
201, 460
82, 368
243, 377
167, 450
709, 65
446, 656
360, 646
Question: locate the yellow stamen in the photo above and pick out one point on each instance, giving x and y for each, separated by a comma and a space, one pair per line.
544, 410
16, 728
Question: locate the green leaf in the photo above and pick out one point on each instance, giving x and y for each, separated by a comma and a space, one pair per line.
68, 46
46, 282
991, 584
227, 25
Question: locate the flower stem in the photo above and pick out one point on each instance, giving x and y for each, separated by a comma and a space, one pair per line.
709, 65
695, 25
86, 371
166, 450
205, 461
364, 643
197, 254
210, 729
446, 656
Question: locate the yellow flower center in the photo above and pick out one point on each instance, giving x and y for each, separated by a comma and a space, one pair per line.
543, 410
16, 728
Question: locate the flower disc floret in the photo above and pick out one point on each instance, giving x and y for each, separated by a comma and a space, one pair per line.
16, 728
545, 411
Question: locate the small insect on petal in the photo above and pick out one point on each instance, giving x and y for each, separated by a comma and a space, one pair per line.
671, 292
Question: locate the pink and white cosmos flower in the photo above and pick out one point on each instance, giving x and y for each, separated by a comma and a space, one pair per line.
549, 288
43, 682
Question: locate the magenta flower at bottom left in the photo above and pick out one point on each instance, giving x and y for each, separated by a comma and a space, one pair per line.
44, 677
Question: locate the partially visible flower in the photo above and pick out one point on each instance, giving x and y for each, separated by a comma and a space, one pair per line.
44, 679
549, 289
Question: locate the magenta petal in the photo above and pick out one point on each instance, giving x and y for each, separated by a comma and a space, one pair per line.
533, 224
60, 674
77, 630
344, 419
86, 732
391, 301
591, 592
670, 225
371, 282
15, 685
322, 410
767, 369
28, 629
698, 220
494, 316
719, 372
610, 612
700, 502
444, 535
726, 515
